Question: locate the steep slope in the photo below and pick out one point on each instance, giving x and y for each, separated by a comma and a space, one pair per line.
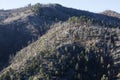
74, 50
20, 27
17, 31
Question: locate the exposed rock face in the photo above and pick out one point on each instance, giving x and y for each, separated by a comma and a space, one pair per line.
111, 13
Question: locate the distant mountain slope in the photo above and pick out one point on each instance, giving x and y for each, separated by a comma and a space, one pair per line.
73, 50
111, 13
22, 26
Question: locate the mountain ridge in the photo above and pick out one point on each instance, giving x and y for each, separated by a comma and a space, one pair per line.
111, 13
19, 31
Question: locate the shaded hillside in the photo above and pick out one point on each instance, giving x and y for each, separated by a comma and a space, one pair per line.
19, 27
73, 50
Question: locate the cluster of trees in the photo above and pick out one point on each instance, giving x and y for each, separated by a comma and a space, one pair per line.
73, 63
36, 8
91, 21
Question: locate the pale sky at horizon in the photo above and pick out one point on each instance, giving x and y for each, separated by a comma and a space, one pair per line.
89, 5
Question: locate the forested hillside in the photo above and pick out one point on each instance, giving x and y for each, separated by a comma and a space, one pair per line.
52, 42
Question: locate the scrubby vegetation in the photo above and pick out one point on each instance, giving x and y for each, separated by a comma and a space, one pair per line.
81, 52
82, 46
71, 62
36, 8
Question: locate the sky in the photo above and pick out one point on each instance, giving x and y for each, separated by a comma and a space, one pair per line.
89, 5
